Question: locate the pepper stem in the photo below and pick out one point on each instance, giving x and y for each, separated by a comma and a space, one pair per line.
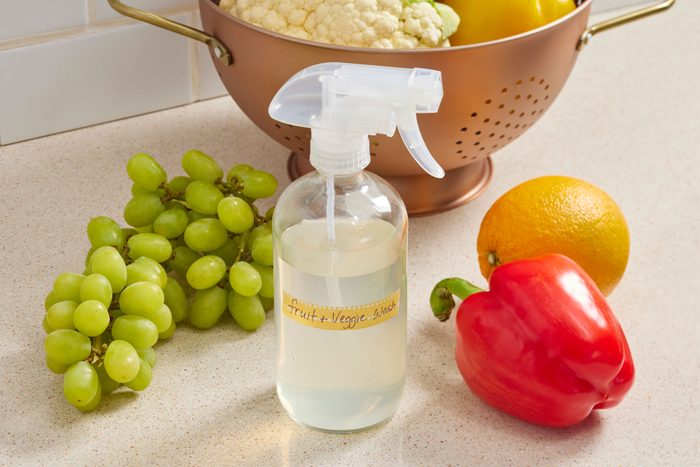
441, 300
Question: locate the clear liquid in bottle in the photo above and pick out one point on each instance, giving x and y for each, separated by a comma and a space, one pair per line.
338, 371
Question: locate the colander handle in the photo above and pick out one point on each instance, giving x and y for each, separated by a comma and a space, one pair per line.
219, 50
622, 19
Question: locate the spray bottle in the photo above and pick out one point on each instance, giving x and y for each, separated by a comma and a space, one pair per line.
340, 245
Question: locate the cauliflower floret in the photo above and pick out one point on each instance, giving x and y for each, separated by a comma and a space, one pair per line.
386, 24
422, 21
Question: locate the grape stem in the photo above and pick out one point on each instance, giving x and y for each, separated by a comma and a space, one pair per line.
259, 220
243, 254
98, 349
170, 194
238, 256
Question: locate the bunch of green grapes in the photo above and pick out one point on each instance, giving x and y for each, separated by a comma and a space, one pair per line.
197, 247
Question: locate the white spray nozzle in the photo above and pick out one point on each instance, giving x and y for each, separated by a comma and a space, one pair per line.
344, 103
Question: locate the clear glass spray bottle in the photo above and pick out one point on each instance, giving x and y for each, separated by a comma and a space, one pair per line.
340, 245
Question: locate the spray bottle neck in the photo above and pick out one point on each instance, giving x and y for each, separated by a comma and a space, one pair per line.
338, 153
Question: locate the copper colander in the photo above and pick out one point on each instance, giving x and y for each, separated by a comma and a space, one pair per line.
494, 92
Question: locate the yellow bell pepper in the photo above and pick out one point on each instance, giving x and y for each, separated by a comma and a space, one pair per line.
487, 20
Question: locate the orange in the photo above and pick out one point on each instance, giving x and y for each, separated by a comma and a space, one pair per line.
556, 214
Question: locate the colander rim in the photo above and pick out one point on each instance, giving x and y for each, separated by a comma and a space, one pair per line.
578, 10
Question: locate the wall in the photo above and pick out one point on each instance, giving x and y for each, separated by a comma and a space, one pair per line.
66, 64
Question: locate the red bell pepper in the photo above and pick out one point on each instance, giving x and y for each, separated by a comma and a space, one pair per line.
542, 344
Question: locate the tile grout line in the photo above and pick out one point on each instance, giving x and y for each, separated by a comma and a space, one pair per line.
78, 31
90, 4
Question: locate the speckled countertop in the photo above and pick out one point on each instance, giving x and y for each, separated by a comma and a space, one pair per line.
628, 121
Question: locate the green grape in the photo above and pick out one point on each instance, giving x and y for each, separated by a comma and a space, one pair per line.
162, 318
116, 313
205, 235
106, 383
121, 361
207, 307
56, 367
176, 242
96, 287
267, 303
239, 171
151, 245
94, 403
206, 272
128, 233
107, 261
145, 172
175, 204
91, 318
269, 213
267, 289
244, 279
60, 315
171, 223
179, 184
87, 260
67, 346
47, 327
168, 333
195, 216
67, 287
182, 259
137, 190
80, 384
148, 354
142, 378
50, 300
200, 166
189, 291
142, 210
203, 197
145, 229
261, 249
229, 250
104, 231
259, 231
136, 330
236, 215
259, 184
248, 312
141, 298
176, 300
144, 269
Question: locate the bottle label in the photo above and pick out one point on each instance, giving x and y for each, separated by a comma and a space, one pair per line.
345, 318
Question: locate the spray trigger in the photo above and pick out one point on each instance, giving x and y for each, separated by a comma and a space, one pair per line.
413, 139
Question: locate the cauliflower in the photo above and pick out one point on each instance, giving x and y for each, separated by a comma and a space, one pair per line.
386, 24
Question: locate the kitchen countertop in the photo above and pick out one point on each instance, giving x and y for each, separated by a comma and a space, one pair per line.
626, 121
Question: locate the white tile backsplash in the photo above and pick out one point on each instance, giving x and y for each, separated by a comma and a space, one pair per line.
20, 18
92, 78
104, 12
